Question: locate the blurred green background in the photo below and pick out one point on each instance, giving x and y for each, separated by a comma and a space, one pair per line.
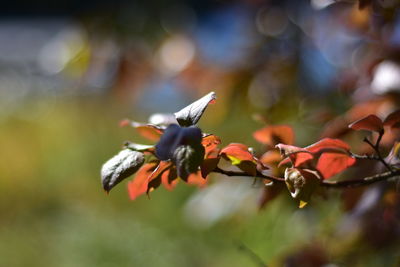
70, 73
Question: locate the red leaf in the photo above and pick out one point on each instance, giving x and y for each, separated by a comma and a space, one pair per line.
138, 186
196, 179
333, 156
271, 157
328, 144
237, 153
169, 179
272, 135
155, 177
297, 155
393, 119
210, 142
369, 123
330, 164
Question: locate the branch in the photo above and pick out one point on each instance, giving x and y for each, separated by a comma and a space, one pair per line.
376, 148
333, 184
363, 181
258, 175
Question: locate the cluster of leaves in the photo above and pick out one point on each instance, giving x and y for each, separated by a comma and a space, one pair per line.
184, 152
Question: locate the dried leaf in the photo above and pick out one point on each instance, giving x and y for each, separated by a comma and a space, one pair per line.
394, 156
301, 183
191, 114
328, 156
369, 123
121, 166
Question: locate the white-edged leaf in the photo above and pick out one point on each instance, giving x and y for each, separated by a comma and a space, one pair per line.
191, 114
119, 167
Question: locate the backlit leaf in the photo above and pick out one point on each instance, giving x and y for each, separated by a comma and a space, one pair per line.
210, 142
196, 179
275, 134
237, 153
154, 180
330, 164
148, 131
368, 123
169, 178
121, 166
191, 114
393, 119
138, 186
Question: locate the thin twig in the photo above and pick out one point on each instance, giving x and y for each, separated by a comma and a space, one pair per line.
258, 174
336, 184
257, 259
363, 181
376, 148
370, 157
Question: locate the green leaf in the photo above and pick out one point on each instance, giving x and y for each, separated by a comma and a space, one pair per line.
119, 167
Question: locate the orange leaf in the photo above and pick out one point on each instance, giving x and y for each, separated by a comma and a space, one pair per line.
297, 155
138, 186
328, 143
196, 179
149, 131
210, 142
237, 153
272, 135
169, 179
155, 177
368, 123
330, 164
393, 119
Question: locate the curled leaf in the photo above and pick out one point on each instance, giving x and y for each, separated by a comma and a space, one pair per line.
239, 155
210, 142
393, 119
139, 147
301, 183
394, 156
369, 123
191, 114
149, 131
119, 167
328, 156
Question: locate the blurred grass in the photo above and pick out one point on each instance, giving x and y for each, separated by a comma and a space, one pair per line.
54, 212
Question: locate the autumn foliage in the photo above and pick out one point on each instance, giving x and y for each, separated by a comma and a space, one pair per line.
183, 152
